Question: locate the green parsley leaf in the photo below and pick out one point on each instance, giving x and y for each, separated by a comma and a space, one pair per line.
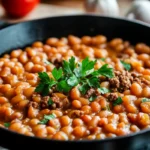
72, 81
45, 84
87, 67
83, 88
57, 74
50, 102
7, 124
46, 62
145, 100
93, 82
62, 86
106, 71
126, 65
47, 118
66, 67
103, 90
72, 63
102, 59
92, 98
118, 101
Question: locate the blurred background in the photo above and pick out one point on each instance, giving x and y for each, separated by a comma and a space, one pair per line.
23, 10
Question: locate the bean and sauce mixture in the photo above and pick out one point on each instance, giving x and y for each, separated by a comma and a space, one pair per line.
76, 88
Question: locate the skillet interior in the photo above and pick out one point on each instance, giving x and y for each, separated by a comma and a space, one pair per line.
23, 34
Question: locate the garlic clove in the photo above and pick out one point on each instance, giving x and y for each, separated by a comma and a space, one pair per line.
140, 10
104, 7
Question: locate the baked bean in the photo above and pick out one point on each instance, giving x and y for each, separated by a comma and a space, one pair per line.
76, 104
145, 107
94, 121
74, 93
65, 121
73, 40
95, 107
67, 130
86, 109
101, 136
57, 113
136, 89
60, 136
29, 92
33, 122
110, 128
142, 48
54, 123
41, 132
52, 41
37, 44
3, 100
23, 58
32, 112
143, 119
134, 128
15, 126
28, 66
16, 53
99, 39
77, 122
79, 131
16, 115
86, 40
103, 121
86, 118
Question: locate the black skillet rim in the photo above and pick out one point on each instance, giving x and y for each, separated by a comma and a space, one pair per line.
80, 141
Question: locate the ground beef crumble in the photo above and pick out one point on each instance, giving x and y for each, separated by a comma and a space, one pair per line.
57, 102
33, 104
75, 113
91, 92
123, 80
112, 97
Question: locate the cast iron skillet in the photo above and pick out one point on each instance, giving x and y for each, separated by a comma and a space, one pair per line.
23, 34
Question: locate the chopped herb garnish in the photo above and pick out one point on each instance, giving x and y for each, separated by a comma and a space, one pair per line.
102, 59
103, 90
126, 65
45, 83
47, 118
145, 100
72, 74
46, 62
104, 71
118, 101
106, 108
50, 102
57, 74
7, 124
92, 98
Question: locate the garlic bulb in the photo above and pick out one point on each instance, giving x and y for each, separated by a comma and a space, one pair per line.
140, 10
104, 7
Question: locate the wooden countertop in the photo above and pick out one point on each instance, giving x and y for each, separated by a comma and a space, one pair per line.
59, 7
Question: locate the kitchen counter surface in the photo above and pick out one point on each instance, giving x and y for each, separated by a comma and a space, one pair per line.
64, 7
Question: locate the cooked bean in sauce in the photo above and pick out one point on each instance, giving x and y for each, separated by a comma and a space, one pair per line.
76, 88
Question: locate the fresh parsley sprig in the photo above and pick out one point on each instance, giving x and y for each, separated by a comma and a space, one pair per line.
126, 65
72, 74
145, 100
46, 83
7, 124
47, 118
118, 101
